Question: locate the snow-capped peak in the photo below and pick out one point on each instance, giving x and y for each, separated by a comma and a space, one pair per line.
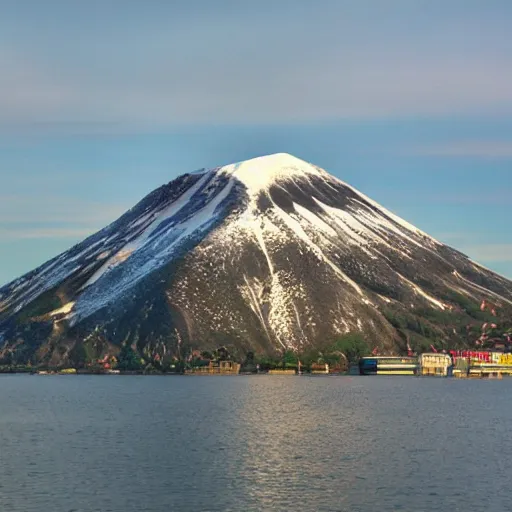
259, 173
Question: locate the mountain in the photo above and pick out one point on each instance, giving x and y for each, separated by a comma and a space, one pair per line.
261, 255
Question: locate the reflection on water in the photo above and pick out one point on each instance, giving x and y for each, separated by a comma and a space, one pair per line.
293, 439
88, 443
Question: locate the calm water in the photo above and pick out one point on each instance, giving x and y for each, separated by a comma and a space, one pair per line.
89, 443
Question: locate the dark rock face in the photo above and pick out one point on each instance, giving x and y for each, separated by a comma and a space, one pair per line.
266, 254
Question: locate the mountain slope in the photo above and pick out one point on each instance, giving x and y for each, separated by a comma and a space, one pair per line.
259, 255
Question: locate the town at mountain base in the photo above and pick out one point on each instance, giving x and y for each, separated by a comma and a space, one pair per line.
268, 256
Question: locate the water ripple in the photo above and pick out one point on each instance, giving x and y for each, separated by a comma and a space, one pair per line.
85, 443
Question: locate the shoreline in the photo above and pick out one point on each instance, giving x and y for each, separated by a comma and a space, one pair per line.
260, 374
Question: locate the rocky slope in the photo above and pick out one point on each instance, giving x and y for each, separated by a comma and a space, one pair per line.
261, 255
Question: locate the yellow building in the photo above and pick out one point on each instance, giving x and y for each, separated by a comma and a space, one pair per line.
434, 364
216, 368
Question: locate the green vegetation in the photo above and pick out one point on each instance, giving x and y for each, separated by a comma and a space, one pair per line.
352, 345
414, 322
290, 359
459, 327
198, 362
46, 302
343, 350
78, 355
221, 354
249, 365
128, 359
267, 362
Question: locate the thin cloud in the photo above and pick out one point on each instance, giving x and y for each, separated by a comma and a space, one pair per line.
11, 233
16, 210
498, 197
53, 217
297, 92
472, 149
452, 236
490, 253
342, 60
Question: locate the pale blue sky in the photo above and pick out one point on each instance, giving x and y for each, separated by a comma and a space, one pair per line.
100, 102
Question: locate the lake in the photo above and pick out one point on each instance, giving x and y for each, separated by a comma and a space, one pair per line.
134, 443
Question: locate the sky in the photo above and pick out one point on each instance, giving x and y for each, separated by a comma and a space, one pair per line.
410, 101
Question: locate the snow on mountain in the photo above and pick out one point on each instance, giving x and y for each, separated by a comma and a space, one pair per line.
271, 252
